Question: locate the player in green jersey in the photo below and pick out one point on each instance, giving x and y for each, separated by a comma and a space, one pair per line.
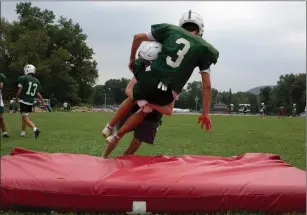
183, 49
3, 79
29, 87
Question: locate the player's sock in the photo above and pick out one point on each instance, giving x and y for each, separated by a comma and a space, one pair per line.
4, 133
107, 131
113, 139
109, 127
34, 129
22, 133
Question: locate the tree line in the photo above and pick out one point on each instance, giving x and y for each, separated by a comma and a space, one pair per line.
289, 89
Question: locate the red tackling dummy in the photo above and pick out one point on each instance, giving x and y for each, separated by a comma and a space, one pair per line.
169, 184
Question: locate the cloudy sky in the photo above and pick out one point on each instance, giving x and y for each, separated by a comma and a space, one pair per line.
257, 41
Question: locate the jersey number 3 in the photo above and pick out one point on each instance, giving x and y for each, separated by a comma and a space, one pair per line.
32, 89
181, 53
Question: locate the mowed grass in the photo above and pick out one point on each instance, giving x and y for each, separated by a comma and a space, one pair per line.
178, 135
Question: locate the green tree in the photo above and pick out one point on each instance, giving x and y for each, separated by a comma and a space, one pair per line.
58, 50
116, 88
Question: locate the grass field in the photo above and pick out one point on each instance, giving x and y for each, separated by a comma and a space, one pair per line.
179, 134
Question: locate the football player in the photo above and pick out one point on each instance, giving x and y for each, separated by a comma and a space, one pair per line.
293, 110
146, 130
183, 49
231, 109
3, 79
261, 110
281, 112
29, 87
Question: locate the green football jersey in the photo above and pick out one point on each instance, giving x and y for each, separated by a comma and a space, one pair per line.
181, 53
30, 86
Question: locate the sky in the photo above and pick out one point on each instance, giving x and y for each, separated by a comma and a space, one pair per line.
258, 41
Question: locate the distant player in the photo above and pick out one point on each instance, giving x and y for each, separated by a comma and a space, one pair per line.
183, 49
231, 108
294, 110
11, 106
29, 87
65, 106
3, 79
262, 110
281, 112
245, 110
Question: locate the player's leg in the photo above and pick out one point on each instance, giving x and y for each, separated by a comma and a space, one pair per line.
155, 96
133, 147
132, 122
110, 148
123, 110
145, 132
25, 110
2, 123
167, 109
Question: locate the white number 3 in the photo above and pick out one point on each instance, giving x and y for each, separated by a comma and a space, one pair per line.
180, 53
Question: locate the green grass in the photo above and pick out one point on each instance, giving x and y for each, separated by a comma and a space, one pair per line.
179, 135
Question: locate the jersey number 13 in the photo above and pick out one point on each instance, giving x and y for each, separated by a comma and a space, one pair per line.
32, 89
181, 53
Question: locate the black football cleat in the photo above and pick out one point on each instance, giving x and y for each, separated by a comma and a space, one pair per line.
36, 133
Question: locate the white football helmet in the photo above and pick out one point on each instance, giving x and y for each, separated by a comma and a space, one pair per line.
28, 69
262, 103
192, 17
150, 51
231, 105
294, 104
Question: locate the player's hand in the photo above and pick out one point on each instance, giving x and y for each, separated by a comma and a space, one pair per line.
162, 86
130, 65
205, 120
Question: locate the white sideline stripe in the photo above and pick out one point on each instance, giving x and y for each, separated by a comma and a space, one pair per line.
138, 208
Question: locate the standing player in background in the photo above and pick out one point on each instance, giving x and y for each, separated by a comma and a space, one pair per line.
281, 112
2, 123
29, 87
245, 110
231, 109
11, 105
261, 110
294, 110
183, 49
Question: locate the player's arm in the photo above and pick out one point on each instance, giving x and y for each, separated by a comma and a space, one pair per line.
20, 86
204, 119
157, 33
129, 88
206, 84
39, 96
137, 40
166, 110
1, 85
